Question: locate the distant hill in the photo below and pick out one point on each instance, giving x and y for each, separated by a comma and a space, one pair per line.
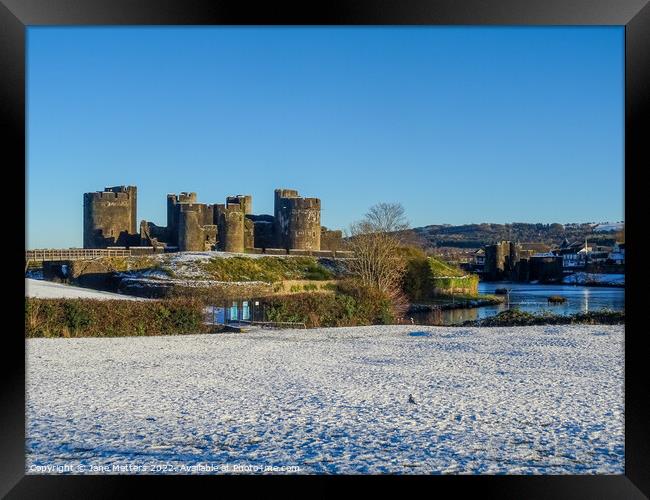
479, 235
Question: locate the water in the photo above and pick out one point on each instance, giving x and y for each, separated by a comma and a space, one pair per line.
532, 298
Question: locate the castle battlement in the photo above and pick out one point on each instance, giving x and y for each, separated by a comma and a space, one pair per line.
304, 203
184, 207
107, 195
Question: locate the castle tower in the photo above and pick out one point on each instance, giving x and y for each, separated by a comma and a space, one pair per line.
231, 227
110, 217
297, 220
245, 200
513, 257
196, 233
280, 215
245, 204
173, 202
304, 224
189, 231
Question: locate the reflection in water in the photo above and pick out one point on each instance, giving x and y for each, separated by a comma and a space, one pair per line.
532, 298
448, 317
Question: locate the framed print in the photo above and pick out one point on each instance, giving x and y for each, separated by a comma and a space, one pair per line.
360, 239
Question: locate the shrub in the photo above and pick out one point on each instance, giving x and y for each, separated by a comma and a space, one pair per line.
183, 319
112, 318
516, 317
76, 316
418, 282
350, 305
314, 271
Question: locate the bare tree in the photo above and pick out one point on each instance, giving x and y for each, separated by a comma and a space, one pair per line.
377, 261
387, 218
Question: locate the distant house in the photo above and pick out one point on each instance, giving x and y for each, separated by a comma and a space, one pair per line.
617, 255
574, 255
478, 258
475, 262
598, 254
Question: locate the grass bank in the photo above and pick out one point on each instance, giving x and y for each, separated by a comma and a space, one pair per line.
267, 269
428, 278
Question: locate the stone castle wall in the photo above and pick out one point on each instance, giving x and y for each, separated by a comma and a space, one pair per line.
196, 232
330, 240
297, 221
304, 224
231, 235
110, 217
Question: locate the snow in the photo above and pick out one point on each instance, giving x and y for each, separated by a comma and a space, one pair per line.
49, 290
588, 278
35, 274
179, 257
136, 281
188, 265
606, 226
533, 400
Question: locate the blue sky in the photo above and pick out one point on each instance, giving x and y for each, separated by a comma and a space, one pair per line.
460, 125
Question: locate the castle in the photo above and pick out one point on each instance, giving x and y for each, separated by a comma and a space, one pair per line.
110, 220
507, 260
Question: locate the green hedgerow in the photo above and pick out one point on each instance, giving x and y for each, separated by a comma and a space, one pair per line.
112, 318
76, 316
350, 305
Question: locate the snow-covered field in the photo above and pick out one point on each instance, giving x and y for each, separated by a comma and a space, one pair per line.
50, 290
534, 400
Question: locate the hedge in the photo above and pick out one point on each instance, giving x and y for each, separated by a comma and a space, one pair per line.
516, 317
348, 306
112, 318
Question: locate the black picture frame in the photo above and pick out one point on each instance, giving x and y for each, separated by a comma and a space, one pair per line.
16, 15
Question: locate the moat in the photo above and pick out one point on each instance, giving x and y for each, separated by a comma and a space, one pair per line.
530, 298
